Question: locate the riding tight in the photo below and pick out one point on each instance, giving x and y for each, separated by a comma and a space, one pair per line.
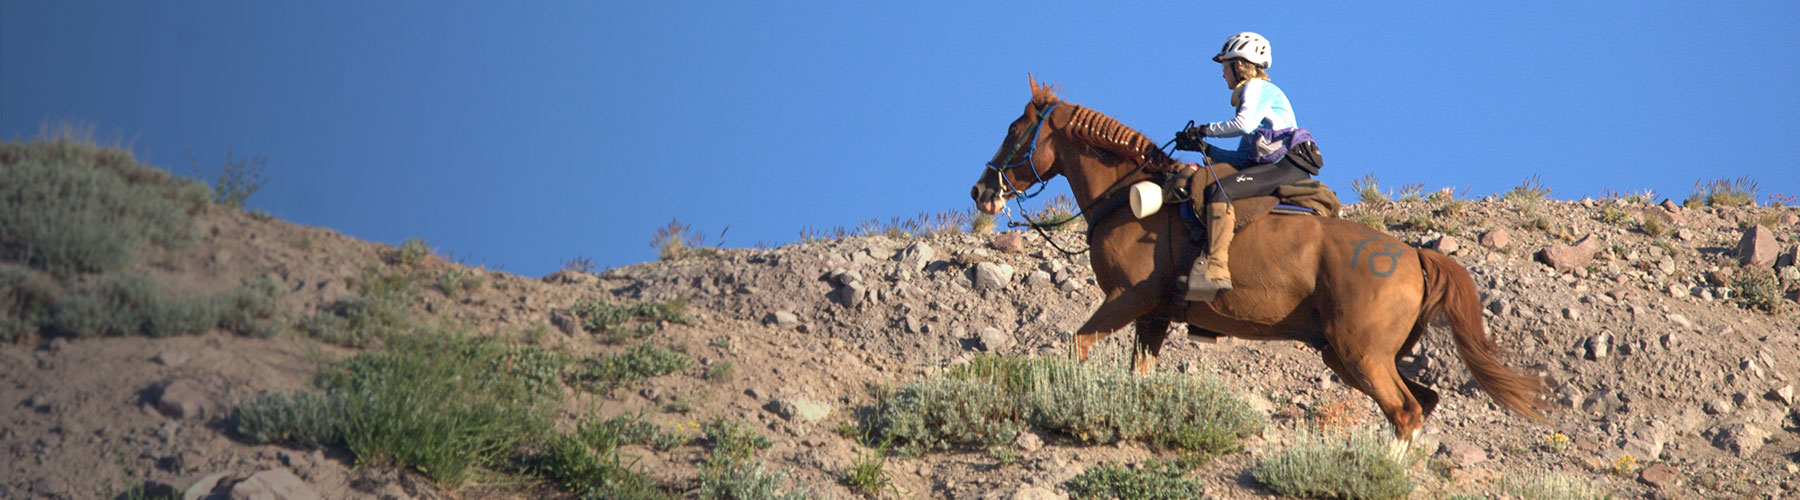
1255, 181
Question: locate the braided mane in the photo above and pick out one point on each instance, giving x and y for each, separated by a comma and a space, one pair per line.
1101, 131
1104, 132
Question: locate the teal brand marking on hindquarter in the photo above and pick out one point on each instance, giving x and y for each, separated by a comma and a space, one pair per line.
1391, 251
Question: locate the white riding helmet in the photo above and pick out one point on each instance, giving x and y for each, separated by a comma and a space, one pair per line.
1247, 46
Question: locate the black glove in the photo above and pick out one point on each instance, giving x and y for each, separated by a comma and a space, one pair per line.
1190, 139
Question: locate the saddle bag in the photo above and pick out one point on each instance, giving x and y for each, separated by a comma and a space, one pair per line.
1275, 145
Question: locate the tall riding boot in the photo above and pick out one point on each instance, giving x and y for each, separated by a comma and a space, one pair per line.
1211, 274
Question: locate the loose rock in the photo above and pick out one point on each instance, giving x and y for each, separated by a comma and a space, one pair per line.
1741, 439
782, 319
990, 276
916, 256
1758, 247
171, 358
993, 340
1462, 454
1010, 242
273, 484
1660, 476
1568, 257
191, 396
801, 410
1446, 245
1497, 239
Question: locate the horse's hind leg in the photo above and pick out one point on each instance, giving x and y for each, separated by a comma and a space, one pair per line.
1368, 369
1151, 332
1427, 398
1383, 383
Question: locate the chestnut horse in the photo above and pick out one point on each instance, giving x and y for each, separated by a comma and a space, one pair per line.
1358, 295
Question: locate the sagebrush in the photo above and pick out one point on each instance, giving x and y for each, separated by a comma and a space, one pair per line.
992, 399
69, 206
1153, 481
1351, 466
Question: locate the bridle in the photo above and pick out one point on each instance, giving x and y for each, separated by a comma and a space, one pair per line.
1029, 142
1106, 203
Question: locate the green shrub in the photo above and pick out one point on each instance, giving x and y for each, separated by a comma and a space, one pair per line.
1368, 189
1153, 481
1446, 195
1422, 223
1724, 192
732, 443
1758, 288
719, 371
68, 206
749, 482
135, 304
677, 241
641, 362
377, 310
601, 316
983, 223
1352, 466
25, 304
591, 467
1652, 227
456, 281
434, 402
1766, 220
1059, 214
1529, 190
1613, 215
1412, 192
253, 310
1373, 219
304, 419
412, 253
731, 470
240, 178
993, 398
1549, 486
868, 475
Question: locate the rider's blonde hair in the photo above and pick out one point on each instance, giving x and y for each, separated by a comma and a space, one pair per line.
1248, 70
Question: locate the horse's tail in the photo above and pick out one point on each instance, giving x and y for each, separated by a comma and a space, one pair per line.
1450, 291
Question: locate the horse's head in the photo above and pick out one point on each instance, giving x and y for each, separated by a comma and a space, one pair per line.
1020, 162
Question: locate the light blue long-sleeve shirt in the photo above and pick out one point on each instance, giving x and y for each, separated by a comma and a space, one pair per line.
1263, 106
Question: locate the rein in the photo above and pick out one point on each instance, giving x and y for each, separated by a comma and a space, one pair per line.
1108, 202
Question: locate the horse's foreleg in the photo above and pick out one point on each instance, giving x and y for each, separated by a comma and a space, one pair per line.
1151, 331
1114, 313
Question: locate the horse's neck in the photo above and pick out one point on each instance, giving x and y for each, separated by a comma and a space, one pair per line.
1089, 178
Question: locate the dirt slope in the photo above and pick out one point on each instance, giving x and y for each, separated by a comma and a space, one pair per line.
1648, 353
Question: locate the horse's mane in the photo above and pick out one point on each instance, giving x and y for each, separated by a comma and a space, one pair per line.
1101, 131
1104, 132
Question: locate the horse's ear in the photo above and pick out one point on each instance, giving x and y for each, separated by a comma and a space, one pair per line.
1033, 83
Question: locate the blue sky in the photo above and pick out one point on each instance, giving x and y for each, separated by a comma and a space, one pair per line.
523, 134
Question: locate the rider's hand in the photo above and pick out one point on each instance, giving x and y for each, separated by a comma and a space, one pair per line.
1190, 139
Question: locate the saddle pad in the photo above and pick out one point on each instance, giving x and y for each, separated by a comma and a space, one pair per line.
1283, 208
1249, 209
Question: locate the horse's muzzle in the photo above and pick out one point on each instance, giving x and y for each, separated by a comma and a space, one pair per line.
987, 199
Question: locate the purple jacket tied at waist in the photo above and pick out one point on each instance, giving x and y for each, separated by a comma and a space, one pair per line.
1272, 144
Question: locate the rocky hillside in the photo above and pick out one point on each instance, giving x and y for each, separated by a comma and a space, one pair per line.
1668, 334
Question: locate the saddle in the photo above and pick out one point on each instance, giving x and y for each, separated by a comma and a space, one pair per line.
1307, 197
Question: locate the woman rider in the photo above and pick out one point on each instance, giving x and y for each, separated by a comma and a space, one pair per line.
1273, 151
